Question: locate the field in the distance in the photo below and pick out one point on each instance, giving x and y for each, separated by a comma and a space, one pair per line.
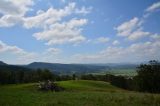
77, 93
123, 72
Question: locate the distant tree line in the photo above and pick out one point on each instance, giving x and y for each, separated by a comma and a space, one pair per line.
146, 80
15, 74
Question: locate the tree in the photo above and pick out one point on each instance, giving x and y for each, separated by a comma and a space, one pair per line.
74, 76
46, 75
148, 78
119, 81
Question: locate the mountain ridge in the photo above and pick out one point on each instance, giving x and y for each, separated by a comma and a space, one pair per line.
69, 69
3, 63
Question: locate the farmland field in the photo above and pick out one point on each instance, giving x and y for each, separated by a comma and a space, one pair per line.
77, 93
123, 72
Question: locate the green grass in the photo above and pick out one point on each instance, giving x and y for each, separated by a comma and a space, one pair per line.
123, 72
77, 93
86, 85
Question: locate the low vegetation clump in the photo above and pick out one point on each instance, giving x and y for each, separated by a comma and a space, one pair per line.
49, 86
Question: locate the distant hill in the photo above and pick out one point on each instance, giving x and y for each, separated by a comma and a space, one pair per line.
7, 67
2, 63
68, 68
13, 68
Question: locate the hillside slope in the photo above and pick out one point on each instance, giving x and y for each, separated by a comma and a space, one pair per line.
68, 68
77, 93
88, 85
2, 63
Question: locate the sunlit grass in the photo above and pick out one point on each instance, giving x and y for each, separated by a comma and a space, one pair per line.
77, 93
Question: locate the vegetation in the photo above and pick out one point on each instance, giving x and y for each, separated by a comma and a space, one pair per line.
10, 74
84, 90
68, 69
88, 85
148, 78
143, 81
122, 72
77, 93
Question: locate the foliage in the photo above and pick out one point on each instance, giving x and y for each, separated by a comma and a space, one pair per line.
14, 74
49, 86
148, 78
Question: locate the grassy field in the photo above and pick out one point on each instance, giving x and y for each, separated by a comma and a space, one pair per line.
123, 72
77, 93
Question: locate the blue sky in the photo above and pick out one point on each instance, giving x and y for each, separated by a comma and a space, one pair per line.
79, 31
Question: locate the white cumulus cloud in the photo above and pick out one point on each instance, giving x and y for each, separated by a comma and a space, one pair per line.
13, 11
102, 40
116, 42
132, 29
60, 33
53, 51
153, 7
136, 52
15, 7
17, 52
52, 15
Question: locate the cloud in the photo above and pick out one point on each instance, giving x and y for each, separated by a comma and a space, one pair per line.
132, 29
136, 52
63, 1
116, 42
8, 7
53, 51
83, 10
10, 20
137, 35
13, 11
102, 40
15, 7
153, 7
16, 51
54, 30
22, 57
156, 36
127, 27
44, 19
60, 33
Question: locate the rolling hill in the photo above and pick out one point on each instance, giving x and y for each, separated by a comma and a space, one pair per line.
8, 67
69, 69
2, 63
77, 93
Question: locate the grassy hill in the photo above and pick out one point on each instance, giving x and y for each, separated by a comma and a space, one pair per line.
88, 86
77, 93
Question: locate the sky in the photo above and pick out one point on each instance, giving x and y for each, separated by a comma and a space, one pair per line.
79, 31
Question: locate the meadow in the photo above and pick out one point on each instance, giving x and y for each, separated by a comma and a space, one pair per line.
117, 72
76, 93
